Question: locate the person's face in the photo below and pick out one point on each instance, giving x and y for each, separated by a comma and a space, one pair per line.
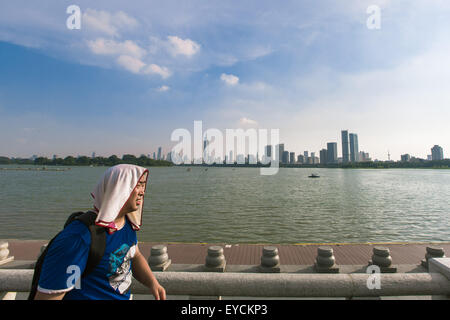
137, 196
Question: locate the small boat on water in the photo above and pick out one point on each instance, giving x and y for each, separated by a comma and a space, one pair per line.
313, 175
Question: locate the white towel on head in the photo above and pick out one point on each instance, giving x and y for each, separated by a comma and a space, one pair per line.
113, 191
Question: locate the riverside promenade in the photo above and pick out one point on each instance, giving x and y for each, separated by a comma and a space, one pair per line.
250, 254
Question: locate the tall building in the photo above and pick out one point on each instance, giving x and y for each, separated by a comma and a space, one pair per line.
345, 151
305, 154
159, 153
292, 157
285, 157
313, 157
437, 153
300, 159
354, 149
323, 156
267, 154
280, 149
405, 158
364, 156
332, 152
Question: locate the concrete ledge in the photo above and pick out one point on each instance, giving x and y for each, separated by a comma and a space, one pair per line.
440, 265
271, 285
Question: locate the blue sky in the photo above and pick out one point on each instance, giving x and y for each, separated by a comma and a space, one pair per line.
138, 70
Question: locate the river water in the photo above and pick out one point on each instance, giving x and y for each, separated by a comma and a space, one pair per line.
238, 205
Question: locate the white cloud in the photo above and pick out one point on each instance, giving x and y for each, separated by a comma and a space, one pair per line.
111, 47
163, 88
155, 69
107, 23
246, 121
186, 47
131, 64
229, 79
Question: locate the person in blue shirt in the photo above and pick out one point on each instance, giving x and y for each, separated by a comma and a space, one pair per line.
118, 202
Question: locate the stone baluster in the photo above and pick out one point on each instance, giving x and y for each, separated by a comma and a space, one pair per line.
382, 258
159, 259
215, 260
432, 252
325, 261
4, 253
270, 261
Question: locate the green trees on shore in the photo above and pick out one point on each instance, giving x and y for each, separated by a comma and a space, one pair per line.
147, 162
86, 161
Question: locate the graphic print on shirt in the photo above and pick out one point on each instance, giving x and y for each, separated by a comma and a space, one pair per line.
119, 274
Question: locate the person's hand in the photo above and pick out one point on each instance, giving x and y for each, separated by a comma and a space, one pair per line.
158, 291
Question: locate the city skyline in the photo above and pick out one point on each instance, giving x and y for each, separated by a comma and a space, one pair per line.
132, 74
326, 156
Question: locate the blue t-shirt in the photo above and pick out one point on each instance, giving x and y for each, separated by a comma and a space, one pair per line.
66, 260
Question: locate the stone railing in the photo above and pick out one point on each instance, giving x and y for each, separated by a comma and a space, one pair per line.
271, 285
325, 279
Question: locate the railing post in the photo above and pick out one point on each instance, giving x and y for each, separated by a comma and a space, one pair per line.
270, 261
432, 252
159, 259
382, 258
4, 253
325, 261
442, 266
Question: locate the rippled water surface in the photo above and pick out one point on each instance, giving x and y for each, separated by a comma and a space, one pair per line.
241, 206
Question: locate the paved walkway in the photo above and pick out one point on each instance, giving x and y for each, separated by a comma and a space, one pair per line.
250, 254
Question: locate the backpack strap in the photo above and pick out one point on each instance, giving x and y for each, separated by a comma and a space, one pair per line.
38, 269
96, 250
98, 240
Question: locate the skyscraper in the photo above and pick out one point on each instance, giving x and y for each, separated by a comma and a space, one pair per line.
323, 156
285, 157
292, 157
230, 159
354, 149
280, 149
267, 154
159, 153
331, 152
437, 153
345, 152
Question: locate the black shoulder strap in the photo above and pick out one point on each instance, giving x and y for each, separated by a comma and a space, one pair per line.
37, 270
98, 240
96, 250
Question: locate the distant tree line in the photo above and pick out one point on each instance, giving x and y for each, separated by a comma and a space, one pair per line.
147, 162
88, 161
